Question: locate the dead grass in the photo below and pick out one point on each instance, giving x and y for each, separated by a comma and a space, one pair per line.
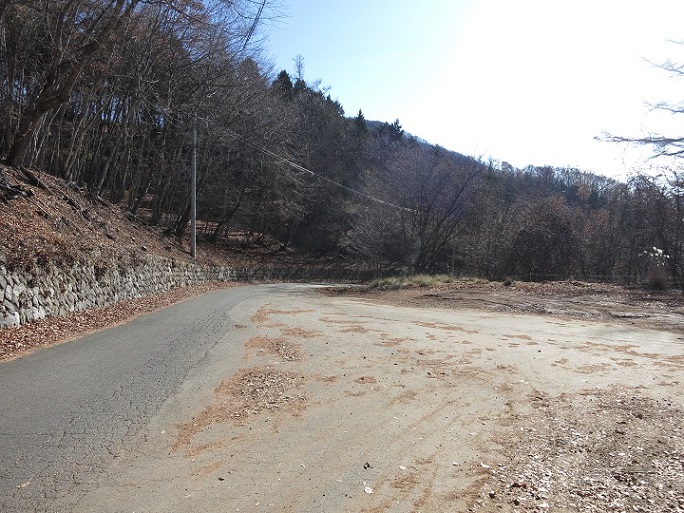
415, 281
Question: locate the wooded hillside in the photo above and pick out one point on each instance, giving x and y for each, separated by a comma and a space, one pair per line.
107, 95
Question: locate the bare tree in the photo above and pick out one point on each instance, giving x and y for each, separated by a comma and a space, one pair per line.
75, 31
431, 190
662, 144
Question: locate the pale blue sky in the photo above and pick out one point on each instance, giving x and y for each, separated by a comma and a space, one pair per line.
525, 81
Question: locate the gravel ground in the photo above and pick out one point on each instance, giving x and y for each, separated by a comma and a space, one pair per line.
594, 448
565, 299
613, 449
599, 451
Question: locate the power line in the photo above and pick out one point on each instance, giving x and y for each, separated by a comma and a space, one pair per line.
250, 32
298, 167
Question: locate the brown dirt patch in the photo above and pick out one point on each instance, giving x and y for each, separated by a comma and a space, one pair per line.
389, 341
264, 314
300, 333
330, 320
407, 480
279, 346
445, 327
355, 329
248, 393
330, 378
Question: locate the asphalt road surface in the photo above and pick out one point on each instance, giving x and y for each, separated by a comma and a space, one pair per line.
68, 411
280, 398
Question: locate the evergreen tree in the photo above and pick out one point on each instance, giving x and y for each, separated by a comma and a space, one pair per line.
360, 124
393, 133
283, 83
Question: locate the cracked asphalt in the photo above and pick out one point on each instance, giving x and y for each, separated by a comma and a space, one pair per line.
68, 412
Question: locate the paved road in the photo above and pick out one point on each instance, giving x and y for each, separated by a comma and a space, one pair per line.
67, 412
275, 398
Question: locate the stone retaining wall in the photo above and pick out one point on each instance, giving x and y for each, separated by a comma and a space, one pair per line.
57, 290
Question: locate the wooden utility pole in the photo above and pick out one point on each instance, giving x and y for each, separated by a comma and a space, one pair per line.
193, 200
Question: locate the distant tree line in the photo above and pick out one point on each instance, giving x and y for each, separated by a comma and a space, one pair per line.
106, 94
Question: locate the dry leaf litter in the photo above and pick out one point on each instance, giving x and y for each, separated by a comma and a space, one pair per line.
600, 451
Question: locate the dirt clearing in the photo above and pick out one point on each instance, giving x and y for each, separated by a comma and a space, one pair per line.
392, 407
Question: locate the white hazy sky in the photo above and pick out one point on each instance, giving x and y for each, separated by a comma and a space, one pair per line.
524, 81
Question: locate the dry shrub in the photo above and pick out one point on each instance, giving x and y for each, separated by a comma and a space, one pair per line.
415, 281
657, 279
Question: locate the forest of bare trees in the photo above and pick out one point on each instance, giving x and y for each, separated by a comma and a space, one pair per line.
106, 94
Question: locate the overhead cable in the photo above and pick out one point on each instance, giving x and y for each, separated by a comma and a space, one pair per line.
298, 167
